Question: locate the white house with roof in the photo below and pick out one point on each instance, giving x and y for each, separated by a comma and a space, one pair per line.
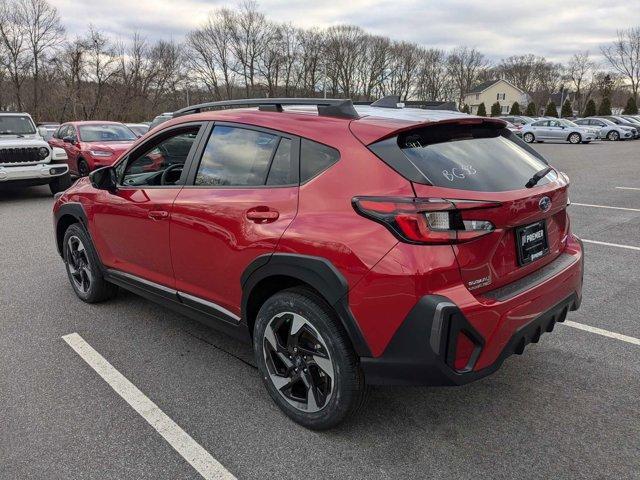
495, 91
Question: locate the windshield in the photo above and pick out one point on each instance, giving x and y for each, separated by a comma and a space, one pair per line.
16, 125
107, 132
479, 157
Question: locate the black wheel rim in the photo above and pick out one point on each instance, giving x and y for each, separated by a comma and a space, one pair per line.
78, 264
298, 362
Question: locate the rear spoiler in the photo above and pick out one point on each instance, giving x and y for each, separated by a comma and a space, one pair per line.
375, 129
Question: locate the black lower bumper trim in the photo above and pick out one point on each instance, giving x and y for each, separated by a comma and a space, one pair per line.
415, 355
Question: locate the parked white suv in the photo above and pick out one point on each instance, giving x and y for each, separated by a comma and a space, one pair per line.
26, 159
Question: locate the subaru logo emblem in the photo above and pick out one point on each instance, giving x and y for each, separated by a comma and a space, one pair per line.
544, 204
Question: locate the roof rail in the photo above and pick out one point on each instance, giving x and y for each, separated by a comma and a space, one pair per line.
327, 107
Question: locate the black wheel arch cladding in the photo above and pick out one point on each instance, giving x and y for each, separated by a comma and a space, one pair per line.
317, 272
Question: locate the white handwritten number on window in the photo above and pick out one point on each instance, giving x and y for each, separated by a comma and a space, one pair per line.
462, 172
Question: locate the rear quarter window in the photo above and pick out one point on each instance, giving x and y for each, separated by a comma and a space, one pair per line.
483, 158
315, 158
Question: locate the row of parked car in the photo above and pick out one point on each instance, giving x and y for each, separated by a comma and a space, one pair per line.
578, 130
48, 153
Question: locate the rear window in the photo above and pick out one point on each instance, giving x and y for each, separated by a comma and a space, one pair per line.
471, 157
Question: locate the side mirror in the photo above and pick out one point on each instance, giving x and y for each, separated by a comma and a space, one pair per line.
104, 179
69, 139
42, 132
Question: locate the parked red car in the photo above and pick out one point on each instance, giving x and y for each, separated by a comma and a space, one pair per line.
351, 245
92, 144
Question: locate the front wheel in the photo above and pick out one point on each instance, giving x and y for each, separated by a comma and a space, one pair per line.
528, 137
575, 138
306, 360
83, 168
83, 268
613, 136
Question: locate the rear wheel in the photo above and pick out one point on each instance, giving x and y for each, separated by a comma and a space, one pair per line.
613, 135
60, 184
83, 270
528, 137
575, 138
306, 360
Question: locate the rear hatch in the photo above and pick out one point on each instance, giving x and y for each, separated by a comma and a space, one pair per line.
500, 229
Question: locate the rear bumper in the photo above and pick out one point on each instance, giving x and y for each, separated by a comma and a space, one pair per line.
39, 172
499, 323
420, 352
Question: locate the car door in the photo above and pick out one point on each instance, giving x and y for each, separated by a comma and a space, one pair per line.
555, 130
239, 199
541, 129
131, 225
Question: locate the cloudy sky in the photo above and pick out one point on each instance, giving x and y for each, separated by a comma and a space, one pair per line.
499, 28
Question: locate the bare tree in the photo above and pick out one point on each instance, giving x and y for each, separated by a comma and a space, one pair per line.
464, 66
624, 56
523, 71
579, 72
15, 58
433, 79
43, 32
250, 36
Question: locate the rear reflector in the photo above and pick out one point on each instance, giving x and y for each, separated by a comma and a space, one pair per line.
425, 220
464, 350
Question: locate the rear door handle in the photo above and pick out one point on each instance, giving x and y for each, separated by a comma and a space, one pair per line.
262, 215
158, 214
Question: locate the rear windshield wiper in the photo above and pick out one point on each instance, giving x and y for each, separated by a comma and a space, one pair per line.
533, 181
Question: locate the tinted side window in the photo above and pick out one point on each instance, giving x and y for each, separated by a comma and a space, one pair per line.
162, 163
282, 171
315, 158
236, 157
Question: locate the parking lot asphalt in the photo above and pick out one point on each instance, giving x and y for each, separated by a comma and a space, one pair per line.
568, 408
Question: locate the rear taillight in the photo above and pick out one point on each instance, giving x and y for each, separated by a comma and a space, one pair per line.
426, 220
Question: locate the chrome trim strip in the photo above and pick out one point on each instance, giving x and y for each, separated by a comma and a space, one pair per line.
208, 304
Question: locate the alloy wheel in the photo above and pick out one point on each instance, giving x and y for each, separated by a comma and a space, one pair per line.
574, 138
528, 137
78, 262
613, 135
298, 362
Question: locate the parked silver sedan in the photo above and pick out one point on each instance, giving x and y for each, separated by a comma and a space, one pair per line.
607, 129
557, 130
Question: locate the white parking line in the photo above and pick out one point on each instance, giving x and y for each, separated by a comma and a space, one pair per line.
604, 333
606, 206
187, 447
629, 247
628, 188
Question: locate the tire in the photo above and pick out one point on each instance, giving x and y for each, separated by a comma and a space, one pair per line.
83, 267
574, 138
613, 136
528, 137
83, 168
60, 184
317, 353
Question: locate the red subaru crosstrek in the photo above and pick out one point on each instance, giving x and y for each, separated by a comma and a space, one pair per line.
92, 144
352, 245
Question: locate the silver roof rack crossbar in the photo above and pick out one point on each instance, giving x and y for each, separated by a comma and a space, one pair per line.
327, 107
